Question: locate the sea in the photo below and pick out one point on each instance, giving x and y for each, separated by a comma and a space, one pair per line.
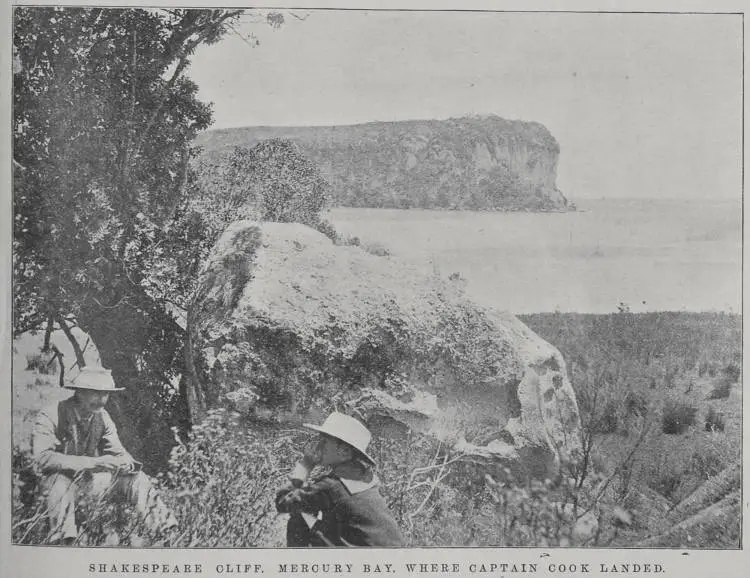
639, 254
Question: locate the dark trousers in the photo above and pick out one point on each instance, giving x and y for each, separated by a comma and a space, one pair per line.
299, 535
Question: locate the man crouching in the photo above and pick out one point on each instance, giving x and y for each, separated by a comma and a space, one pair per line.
345, 507
78, 453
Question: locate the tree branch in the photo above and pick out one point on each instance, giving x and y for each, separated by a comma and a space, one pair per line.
73, 341
183, 55
48, 333
59, 356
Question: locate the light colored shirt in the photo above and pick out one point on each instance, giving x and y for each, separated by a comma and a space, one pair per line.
47, 447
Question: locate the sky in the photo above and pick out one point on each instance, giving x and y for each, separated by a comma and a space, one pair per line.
643, 105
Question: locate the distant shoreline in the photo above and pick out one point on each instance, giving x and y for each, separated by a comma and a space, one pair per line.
574, 209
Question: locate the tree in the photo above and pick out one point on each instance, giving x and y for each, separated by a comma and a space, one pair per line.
104, 118
273, 181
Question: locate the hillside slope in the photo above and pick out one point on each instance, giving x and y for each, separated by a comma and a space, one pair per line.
478, 162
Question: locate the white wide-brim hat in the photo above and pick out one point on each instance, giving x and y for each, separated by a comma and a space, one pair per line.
347, 429
94, 378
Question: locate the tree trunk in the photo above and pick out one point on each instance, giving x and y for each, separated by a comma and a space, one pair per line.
194, 394
48, 333
73, 341
143, 413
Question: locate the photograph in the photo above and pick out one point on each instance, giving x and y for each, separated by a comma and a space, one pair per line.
391, 278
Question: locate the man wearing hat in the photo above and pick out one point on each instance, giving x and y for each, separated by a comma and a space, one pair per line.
77, 452
345, 507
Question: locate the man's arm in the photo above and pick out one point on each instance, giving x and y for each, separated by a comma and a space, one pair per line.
111, 444
313, 498
45, 447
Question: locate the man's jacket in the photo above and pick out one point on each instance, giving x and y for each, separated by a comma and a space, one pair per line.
352, 513
63, 441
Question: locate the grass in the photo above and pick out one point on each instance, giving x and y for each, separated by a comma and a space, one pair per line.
632, 373
681, 370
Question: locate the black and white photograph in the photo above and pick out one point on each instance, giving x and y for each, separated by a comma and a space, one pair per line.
391, 278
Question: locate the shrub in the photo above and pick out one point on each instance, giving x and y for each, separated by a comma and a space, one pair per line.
222, 481
721, 390
608, 421
714, 420
375, 249
705, 464
346, 240
732, 372
41, 363
636, 403
677, 417
667, 484
325, 227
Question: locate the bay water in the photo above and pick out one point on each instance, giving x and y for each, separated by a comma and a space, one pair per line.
649, 255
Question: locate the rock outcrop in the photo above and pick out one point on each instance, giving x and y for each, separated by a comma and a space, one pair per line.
481, 162
287, 325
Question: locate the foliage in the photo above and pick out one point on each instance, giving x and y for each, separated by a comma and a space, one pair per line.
43, 363
733, 371
223, 478
721, 390
677, 417
646, 363
272, 181
647, 344
440, 498
104, 120
714, 420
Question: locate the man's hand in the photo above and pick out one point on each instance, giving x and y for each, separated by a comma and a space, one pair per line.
311, 453
109, 463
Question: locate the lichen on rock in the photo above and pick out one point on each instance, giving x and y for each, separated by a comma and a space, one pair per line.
307, 326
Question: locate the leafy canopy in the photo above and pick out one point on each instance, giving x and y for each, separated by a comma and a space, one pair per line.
104, 118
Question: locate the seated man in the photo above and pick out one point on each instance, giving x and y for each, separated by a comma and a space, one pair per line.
77, 452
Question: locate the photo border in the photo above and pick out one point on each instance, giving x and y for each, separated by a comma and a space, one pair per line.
26, 560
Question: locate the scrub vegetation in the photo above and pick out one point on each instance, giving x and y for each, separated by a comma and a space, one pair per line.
222, 475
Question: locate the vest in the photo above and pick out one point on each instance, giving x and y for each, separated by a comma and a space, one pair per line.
78, 441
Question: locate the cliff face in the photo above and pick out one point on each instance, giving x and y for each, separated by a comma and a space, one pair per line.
482, 162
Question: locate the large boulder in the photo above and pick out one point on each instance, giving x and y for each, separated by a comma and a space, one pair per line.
287, 325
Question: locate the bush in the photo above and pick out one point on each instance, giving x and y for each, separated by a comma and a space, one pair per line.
721, 390
445, 499
705, 464
43, 363
732, 372
608, 421
668, 484
714, 420
325, 227
636, 404
677, 417
347, 241
375, 249
222, 481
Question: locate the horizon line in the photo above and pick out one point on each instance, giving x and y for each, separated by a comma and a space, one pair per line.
326, 124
